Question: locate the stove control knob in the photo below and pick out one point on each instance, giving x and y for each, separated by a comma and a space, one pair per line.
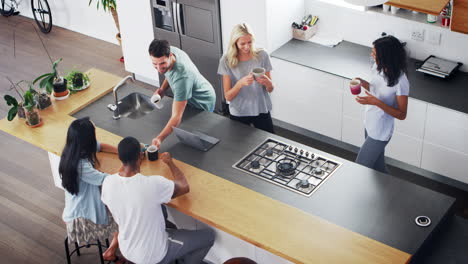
302, 151
307, 154
290, 148
295, 149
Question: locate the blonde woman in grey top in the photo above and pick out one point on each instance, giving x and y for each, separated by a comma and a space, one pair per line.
248, 97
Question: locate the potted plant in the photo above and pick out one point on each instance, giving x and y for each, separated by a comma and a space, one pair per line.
110, 5
53, 81
16, 107
77, 81
33, 119
41, 97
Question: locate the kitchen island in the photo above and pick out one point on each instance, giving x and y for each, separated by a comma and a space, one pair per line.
357, 216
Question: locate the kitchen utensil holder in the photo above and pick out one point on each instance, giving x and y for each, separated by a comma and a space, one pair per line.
304, 34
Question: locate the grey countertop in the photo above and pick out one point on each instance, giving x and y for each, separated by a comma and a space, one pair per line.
373, 204
349, 60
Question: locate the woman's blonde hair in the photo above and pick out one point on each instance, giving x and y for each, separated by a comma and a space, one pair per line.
239, 31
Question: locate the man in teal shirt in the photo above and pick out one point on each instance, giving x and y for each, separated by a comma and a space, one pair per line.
186, 82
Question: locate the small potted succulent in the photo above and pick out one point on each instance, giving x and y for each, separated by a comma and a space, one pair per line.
77, 81
53, 81
33, 119
41, 97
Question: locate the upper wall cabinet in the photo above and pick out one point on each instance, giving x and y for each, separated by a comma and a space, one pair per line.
433, 7
460, 16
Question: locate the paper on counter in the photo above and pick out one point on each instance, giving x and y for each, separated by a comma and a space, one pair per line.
326, 39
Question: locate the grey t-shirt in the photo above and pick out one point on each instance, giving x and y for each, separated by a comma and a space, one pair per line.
254, 99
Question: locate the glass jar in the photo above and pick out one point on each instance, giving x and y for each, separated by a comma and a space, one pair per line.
33, 118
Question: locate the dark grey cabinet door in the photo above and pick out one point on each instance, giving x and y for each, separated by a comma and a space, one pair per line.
201, 38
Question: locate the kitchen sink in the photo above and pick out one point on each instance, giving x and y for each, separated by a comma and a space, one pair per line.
135, 105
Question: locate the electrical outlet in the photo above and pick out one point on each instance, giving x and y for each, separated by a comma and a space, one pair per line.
433, 37
417, 34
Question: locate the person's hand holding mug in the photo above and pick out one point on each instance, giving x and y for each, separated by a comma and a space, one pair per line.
364, 83
160, 92
157, 142
246, 80
264, 80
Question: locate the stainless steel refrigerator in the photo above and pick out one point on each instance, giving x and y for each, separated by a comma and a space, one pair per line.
195, 27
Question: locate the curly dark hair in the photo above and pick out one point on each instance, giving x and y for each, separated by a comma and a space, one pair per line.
390, 58
159, 48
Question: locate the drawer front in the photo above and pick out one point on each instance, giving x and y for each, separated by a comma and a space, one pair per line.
307, 98
405, 148
415, 120
445, 161
353, 131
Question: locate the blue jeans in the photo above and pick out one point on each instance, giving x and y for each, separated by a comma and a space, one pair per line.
372, 154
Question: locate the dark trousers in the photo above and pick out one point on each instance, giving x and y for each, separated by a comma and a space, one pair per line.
262, 121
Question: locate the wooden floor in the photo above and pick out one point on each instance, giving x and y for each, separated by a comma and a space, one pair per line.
31, 229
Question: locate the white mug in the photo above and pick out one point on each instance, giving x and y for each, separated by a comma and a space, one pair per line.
258, 72
156, 100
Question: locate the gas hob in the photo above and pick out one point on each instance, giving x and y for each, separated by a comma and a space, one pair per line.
288, 166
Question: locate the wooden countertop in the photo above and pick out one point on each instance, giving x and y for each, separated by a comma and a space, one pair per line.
227, 206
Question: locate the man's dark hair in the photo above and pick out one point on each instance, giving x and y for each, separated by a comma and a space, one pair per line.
129, 151
159, 48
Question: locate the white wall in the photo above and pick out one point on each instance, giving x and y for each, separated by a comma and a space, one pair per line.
77, 16
279, 18
270, 20
364, 27
244, 11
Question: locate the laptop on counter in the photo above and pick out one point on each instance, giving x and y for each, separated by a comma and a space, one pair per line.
195, 139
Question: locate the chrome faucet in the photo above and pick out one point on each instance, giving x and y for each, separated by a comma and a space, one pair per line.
115, 107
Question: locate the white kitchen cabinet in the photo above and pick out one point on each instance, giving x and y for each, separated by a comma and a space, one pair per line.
447, 128
54, 167
307, 98
136, 29
444, 161
353, 131
414, 123
405, 148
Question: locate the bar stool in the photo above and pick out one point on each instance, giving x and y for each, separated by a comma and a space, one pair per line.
77, 249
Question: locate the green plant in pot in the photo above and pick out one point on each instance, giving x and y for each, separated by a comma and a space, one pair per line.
52, 81
77, 81
42, 97
33, 119
16, 107
111, 6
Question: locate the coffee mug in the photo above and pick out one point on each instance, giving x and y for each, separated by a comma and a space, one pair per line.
355, 86
152, 152
258, 72
156, 100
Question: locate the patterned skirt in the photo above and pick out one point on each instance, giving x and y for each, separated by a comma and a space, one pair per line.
85, 231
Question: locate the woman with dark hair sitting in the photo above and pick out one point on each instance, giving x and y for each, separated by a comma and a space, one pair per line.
85, 215
387, 98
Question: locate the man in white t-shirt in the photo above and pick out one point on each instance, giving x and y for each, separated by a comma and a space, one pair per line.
135, 203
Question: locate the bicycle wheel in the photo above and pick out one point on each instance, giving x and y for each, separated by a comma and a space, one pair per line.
42, 15
7, 8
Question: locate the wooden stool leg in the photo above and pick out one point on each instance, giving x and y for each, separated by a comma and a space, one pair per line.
77, 249
67, 251
100, 251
